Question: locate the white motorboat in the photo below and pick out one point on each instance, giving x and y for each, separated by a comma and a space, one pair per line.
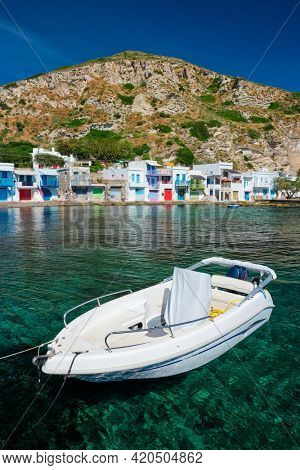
180, 324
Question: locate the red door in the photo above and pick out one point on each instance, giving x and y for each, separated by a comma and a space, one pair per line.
25, 194
168, 194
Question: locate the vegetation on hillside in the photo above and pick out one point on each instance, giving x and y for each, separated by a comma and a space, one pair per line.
107, 146
18, 153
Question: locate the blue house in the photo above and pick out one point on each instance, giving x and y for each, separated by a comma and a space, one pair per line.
7, 182
48, 183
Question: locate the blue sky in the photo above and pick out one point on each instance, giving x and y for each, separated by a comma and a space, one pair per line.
229, 37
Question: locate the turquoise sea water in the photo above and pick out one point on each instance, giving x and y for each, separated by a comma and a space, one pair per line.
54, 258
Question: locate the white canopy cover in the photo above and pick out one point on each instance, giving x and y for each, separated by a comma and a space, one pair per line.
190, 296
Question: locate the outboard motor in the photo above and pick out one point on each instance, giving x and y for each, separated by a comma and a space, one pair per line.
238, 272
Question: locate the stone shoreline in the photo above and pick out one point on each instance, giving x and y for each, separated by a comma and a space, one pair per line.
57, 203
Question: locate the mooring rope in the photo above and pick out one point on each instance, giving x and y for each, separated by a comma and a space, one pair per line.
25, 350
58, 393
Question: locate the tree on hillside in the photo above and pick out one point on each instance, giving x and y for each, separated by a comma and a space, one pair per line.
106, 146
289, 186
184, 156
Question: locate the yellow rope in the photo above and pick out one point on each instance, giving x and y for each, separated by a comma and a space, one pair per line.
215, 312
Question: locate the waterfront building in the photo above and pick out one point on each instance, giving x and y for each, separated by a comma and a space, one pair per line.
137, 188
197, 185
80, 182
48, 183
115, 181
263, 184
7, 182
26, 185
231, 186
153, 176
166, 184
180, 183
213, 173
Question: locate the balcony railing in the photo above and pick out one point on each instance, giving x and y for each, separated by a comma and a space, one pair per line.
80, 181
154, 185
7, 182
26, 184
181, 183
49, 182
153, 173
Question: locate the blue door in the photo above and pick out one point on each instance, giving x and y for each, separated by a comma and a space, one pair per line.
46, 194
247, 196
181, 193
139, 194
3, 194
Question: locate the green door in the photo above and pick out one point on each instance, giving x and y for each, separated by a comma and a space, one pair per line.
98, 192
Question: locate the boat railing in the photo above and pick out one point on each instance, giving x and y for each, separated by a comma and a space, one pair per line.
96, 299
159, 327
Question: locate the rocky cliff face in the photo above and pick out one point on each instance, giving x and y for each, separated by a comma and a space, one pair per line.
164, 102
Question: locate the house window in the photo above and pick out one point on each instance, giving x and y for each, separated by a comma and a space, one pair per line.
132, 177
211, 192
138, 178
210, 180
184, 177
217, 181
4, 174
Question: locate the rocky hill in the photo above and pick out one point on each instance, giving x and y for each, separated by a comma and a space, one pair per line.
160, 105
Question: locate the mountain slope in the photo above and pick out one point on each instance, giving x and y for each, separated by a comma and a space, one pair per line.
163, 102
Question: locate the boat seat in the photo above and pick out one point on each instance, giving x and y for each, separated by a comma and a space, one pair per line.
231, 284
220, 299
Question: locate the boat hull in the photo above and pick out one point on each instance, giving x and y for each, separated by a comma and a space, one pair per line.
192, 360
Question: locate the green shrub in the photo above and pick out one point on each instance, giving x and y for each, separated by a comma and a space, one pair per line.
250, 165
47, 160
96, 134
181, 88
164, 115
207, 98
159, 72
4, 106
198, 129
268, 127
18, 153
259, 119
228, 103
76, 122
142, 149
184, 156
274, 105
292, 110
20, 126
22, 102
215, 85
295, 94
253, 134
10, 85
232, 115
163, 129
127, 100
213, 123
128, 86
117, 115
153, 102
106, 146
